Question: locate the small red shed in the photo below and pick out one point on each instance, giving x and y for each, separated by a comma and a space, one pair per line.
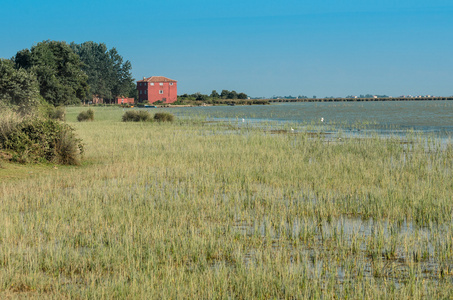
157, 88
124, 100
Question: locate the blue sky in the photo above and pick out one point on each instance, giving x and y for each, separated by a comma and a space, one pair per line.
262, 48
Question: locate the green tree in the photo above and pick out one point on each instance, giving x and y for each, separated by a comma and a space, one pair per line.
18, 87
214, 94
96, 64
224, 94
58, 70
108, 75
123, 80
200, 96
232, 95
242, 96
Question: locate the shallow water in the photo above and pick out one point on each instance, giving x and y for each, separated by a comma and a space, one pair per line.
388, 118
355, 231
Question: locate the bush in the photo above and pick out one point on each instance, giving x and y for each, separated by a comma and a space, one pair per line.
48, 111
32, 140
9, 121
68, 148
164, 117
58, 113
86, 116
136, 116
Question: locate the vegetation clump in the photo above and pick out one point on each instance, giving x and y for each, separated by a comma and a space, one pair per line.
136, 116
163, 117
49, 111
39, 140
86, 116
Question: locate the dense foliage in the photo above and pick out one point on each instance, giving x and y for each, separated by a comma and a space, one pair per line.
86, 116
163, 117
18, 87
39, 140
108, 75
64, 74
136, 116
225, 94
145, 116
58, 71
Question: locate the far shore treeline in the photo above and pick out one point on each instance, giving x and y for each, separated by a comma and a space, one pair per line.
226, 97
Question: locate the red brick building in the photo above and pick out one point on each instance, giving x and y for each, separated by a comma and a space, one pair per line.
157, 88
124, 100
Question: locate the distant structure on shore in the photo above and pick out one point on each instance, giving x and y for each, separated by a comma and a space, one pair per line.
157, 88
332, 99
124, 100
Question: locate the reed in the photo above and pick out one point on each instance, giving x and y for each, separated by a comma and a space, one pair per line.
191, 209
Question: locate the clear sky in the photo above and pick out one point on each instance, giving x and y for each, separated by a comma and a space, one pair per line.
260, 47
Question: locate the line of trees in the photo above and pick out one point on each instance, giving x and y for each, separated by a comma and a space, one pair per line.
64, 74
225, 94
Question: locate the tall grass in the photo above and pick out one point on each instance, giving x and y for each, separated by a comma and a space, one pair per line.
190, 210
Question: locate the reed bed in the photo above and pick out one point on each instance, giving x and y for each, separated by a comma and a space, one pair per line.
214, 210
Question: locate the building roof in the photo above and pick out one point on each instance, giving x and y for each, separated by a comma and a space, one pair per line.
157, 79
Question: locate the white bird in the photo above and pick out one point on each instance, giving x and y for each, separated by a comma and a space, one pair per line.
292, 129
322, 119
243, 120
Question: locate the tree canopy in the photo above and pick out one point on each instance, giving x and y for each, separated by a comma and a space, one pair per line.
108, 75
17, 87
58, 71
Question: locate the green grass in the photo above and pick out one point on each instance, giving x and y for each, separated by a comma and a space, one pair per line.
207, 210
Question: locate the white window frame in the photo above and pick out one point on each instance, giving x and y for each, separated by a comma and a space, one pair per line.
161, 92
171, 83
161, 84
152, 83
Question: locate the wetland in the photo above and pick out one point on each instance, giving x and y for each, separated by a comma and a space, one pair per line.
240, 202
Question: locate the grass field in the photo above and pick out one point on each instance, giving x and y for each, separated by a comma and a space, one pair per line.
209, 210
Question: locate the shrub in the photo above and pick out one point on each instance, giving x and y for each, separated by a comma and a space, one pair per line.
86, 116
68, 148
59, 113
164, 117
136, 116
49, 111
9, 121
32, 140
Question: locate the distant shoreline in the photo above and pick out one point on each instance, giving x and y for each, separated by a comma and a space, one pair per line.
234, 102
361, 99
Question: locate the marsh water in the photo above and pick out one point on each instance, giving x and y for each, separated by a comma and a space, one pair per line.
393, 118
386, 117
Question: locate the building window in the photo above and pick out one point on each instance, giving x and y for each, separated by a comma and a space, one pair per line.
146, 92
161, 92
152, 83
161, 84
171, 83
140, 92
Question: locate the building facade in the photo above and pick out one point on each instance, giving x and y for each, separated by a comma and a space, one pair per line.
124, 100
157, 88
